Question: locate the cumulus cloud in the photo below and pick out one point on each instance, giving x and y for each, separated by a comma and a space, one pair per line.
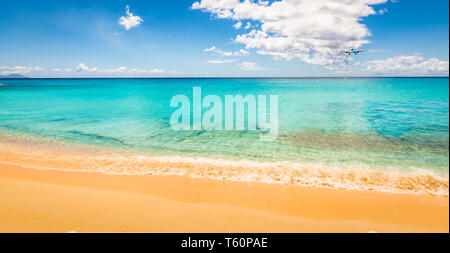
211, 49
82, 67
408, 65
221, 52
315, 32
129, 21
123, 70
6, 70
237, 25
221, 61
249, 66
248, 25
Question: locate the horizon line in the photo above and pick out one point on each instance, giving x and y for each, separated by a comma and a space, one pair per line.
219, 77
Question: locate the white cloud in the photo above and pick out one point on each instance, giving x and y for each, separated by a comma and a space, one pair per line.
116, 70
408, 65
248, 25
59, 70
129, 21
237, 25
315, 32
82, 67
223, 53
249, 66
221, 61
6, 70
155, 71
211, 49
243, 52
382, 11
123, 70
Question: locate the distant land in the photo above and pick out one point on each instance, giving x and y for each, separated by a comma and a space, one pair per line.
13, 76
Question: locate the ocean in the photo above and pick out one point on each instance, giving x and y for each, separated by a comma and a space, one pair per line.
389, 134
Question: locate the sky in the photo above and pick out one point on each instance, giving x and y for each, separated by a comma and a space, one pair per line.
223, 38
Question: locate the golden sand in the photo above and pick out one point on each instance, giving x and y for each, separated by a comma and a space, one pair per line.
73, 192
57, 201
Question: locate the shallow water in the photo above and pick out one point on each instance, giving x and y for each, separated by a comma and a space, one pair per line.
395, 124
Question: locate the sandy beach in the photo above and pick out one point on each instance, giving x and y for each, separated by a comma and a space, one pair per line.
224, 116
35, 200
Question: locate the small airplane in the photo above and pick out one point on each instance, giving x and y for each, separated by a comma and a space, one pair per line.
353, 51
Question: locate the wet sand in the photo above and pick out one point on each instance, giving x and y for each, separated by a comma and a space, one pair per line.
34, 200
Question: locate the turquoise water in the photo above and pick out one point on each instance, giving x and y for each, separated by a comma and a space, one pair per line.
381, 123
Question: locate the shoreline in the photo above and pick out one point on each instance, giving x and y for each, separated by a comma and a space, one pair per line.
45, 154
58, 201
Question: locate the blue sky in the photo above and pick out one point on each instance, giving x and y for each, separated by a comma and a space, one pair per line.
80, 38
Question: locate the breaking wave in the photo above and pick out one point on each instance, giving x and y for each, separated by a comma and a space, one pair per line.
89, 159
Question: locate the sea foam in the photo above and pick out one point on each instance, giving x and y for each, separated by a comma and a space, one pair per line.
288, 173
